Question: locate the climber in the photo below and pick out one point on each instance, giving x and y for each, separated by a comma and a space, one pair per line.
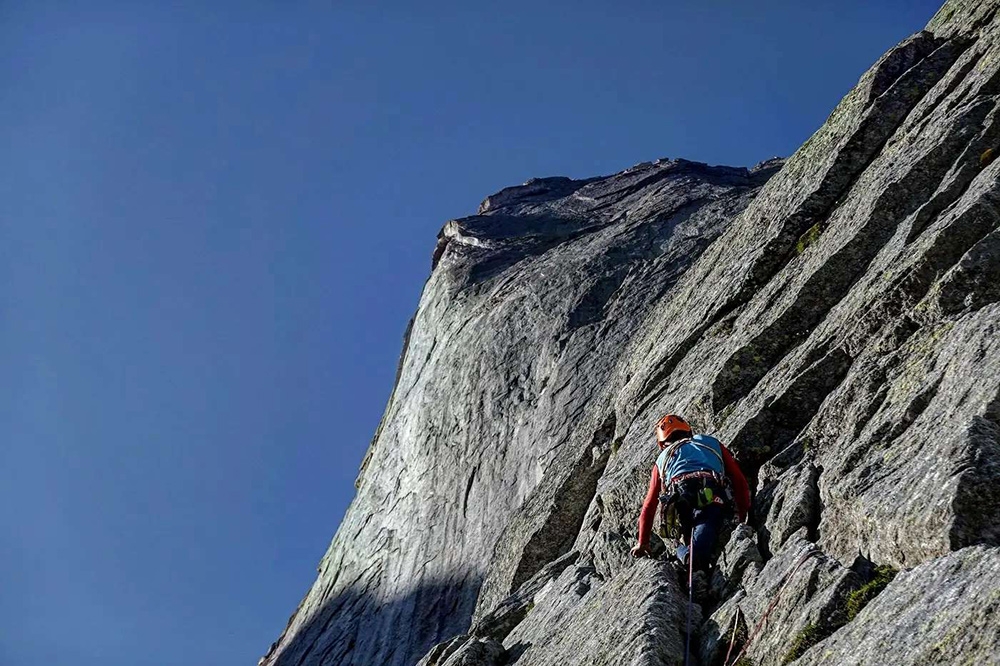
694, 470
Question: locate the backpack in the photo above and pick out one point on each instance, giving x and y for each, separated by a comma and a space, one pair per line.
703, 455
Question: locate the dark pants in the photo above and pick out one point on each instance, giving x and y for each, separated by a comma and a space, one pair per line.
704, 525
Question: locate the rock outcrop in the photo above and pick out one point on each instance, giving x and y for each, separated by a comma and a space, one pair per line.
834, 317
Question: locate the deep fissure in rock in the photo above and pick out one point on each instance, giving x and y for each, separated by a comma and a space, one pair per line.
468, 490
776, 426
592, 305
556, 536
968, 168
830, 282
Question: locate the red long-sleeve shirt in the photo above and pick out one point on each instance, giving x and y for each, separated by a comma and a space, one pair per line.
741, 494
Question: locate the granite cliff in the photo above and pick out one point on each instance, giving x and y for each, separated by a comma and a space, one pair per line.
834, 317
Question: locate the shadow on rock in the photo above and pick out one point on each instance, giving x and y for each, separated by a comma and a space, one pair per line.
355, 629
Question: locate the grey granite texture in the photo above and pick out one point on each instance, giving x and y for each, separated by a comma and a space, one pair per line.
833, 317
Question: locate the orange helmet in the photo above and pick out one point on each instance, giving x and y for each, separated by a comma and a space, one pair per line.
670, 424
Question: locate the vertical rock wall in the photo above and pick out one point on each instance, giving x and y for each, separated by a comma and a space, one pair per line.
834, 318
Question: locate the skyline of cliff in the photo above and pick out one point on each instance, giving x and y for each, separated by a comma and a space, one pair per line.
832, 317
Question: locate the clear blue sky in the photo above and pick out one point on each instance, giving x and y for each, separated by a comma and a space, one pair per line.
214, 226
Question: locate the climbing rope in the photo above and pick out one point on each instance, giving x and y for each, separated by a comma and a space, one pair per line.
732, 641
763, 618
687, 645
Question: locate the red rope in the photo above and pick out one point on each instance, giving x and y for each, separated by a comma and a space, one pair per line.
687, 645
774, 602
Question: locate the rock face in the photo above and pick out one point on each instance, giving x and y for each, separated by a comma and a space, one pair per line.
835, 318
942, 612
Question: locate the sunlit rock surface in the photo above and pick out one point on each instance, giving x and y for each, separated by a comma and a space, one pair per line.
833, 317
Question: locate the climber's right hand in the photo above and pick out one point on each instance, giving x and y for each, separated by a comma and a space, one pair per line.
640, 551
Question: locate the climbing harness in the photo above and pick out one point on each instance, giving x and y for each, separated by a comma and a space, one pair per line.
675, 487
763, 618
695, 475
682, 495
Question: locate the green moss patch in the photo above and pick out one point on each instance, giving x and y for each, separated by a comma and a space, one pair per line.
988, 156
848, 608
805, 639
811, 235
860, 597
